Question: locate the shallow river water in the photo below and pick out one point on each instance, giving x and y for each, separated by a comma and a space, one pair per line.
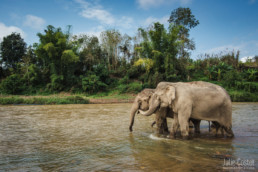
96, 138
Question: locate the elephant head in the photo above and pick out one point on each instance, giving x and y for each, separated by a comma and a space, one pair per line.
141, 102
162, 98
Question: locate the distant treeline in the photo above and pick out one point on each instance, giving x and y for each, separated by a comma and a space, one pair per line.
61, 61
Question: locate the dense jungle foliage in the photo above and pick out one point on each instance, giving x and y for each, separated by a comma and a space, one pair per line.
87, 64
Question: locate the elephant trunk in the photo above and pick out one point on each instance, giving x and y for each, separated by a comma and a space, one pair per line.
134, 109
153, 107
149, 112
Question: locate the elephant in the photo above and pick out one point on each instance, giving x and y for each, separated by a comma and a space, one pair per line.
141, 102
199, 100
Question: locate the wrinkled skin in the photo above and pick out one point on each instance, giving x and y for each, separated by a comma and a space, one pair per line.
198, 100
141, 102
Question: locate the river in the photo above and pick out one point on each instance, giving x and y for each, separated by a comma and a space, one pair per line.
96, 138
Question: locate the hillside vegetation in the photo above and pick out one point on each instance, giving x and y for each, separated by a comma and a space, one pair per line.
115, 62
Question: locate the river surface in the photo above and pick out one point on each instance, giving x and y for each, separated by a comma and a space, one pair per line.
96, 138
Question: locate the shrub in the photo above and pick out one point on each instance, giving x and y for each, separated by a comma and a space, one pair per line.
56, 83
13, 84
11, 100
134, 71
124, 80
230, 78
241, 96
92, 84
133, 87
247, 86
122, 88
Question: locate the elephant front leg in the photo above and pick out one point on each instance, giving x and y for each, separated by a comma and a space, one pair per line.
174, 128
162, 127
184, 125
161, 121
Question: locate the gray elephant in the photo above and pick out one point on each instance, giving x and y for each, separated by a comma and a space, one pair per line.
141, 102
198, 100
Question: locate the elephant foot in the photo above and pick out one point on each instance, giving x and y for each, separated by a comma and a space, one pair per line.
162, 133
231, 135
197, 132
171, 136
185, 137
229, 132
166, 132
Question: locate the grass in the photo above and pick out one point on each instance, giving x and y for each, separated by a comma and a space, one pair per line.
111, 95
242, 96
5, 100
63, 98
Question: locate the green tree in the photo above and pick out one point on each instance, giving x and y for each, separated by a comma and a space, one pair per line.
13, 49
110, 42
125, 46
29, 67
91, 54
183, 17
12, 84
161, 47
56, 54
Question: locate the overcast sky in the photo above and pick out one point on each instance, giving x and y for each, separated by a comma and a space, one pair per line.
225, 25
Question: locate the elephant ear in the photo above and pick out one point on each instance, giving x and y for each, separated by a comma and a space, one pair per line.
139, 101
171, 94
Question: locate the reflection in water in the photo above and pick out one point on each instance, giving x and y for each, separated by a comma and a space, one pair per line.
96, 137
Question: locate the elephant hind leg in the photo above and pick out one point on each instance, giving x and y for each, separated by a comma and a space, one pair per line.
196, 123
217, 126
229, 132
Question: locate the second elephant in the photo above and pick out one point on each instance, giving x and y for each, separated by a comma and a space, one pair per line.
141, 102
